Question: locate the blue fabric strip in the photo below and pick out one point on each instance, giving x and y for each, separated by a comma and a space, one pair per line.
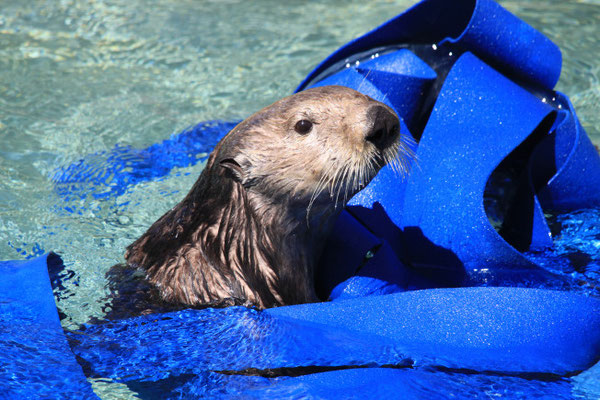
507, 330
427, 231
110, 174
36, 361
476, 122
380, 383
480, 26
484, 329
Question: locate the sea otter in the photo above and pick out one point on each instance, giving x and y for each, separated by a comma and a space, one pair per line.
252, 227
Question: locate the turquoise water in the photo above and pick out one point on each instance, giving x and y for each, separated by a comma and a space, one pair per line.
78, 77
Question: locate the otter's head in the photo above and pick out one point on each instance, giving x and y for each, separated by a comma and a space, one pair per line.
245, 231
314, 148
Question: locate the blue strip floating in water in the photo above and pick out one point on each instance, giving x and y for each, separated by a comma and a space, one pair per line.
512, 330
26, 291
386, 383
36, 359
110, 174
428, 231
506, 330
236, 339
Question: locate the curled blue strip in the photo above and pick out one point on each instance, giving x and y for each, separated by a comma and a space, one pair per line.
576, 183
401, 74
439, 211
476, 122
110, 174
481, 26
36, 360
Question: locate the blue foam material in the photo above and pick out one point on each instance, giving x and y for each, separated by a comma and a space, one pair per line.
427, 231
386, 383
483, 328
185, 353
476, 122
36, 359
344, 253
506, 330
379, 383
456, 157
381, 274
155, 347
481, 26
576, 183
402, 73
109, 174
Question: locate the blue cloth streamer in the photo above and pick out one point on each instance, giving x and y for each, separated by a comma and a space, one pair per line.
484, 329
109, 174
443, 203
481, 26
157, 347
576, 183
476, 122
402, 74
472, 110
380, 383
36, 360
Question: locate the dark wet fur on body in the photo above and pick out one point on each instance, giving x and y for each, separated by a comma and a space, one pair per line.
252, 227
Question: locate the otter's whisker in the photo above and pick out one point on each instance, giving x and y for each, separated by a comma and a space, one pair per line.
333, 182
401, 157
358, 175
323, 181
344, 182
347, 186
338, 184
321, 184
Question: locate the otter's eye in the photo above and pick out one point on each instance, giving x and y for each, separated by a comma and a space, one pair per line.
303, 126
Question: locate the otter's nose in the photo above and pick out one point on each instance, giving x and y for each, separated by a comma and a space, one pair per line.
385, 126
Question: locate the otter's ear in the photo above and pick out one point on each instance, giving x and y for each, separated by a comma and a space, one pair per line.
233, 169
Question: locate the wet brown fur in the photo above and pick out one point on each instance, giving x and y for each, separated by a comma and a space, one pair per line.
252, 227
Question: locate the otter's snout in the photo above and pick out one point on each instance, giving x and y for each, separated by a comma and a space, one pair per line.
385, 126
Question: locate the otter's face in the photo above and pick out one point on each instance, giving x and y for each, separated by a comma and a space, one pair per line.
318, 146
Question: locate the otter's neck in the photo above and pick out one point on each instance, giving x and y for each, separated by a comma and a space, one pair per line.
224, 243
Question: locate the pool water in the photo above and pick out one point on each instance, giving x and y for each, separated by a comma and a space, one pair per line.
79, 77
